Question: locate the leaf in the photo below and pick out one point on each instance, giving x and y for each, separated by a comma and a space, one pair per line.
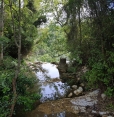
3, 40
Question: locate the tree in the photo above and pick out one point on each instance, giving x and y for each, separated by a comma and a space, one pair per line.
1, 28
18, 44
50, 44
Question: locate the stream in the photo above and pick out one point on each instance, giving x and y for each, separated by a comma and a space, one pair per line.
54, 102
50, 84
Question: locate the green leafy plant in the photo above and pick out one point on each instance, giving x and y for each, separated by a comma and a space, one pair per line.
26, 81
110, 106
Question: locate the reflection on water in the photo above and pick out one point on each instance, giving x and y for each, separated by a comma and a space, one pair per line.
51, 71
51, 86
51, 89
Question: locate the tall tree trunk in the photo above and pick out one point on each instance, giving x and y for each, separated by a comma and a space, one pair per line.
1, 27
80, 29
18, 44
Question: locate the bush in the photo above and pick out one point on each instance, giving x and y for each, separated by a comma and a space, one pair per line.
25, 82
102, 75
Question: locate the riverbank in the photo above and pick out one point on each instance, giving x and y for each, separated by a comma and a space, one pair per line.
90, 104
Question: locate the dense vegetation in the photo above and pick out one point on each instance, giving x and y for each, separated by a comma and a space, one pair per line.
81, 30
88, 29
92, 38
17, 33
50, 44
25, 98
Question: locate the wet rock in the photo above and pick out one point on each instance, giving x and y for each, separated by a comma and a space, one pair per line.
83, 101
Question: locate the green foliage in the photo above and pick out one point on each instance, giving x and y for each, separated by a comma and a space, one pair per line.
5, 91
102, 72
29, 15
96, 74
110, 107
71, 82
71, 69
109, 91
50, 44
26, 81
90, 40
4, 40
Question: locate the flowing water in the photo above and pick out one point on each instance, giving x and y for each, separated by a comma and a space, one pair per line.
50, 84
51, 88
53, 93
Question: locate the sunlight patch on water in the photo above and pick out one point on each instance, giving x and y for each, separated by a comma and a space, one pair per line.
51, 71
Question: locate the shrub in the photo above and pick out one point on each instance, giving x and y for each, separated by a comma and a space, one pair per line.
102, 73
25, 82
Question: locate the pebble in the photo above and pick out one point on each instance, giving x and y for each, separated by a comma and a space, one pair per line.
78, 91
103, 96
74, 86
82, 84
70, 95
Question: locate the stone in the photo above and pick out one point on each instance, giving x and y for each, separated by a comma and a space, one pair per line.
78, 79
81, 89
70, 95
76, 111
82, 84
86, 100
75, 92
103, 96
78, 91
74, 86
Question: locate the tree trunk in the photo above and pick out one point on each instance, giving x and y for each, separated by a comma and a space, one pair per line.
18, 44
1, 28
80, 29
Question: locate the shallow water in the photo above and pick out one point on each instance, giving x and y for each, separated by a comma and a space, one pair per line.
50, 85
51, 88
